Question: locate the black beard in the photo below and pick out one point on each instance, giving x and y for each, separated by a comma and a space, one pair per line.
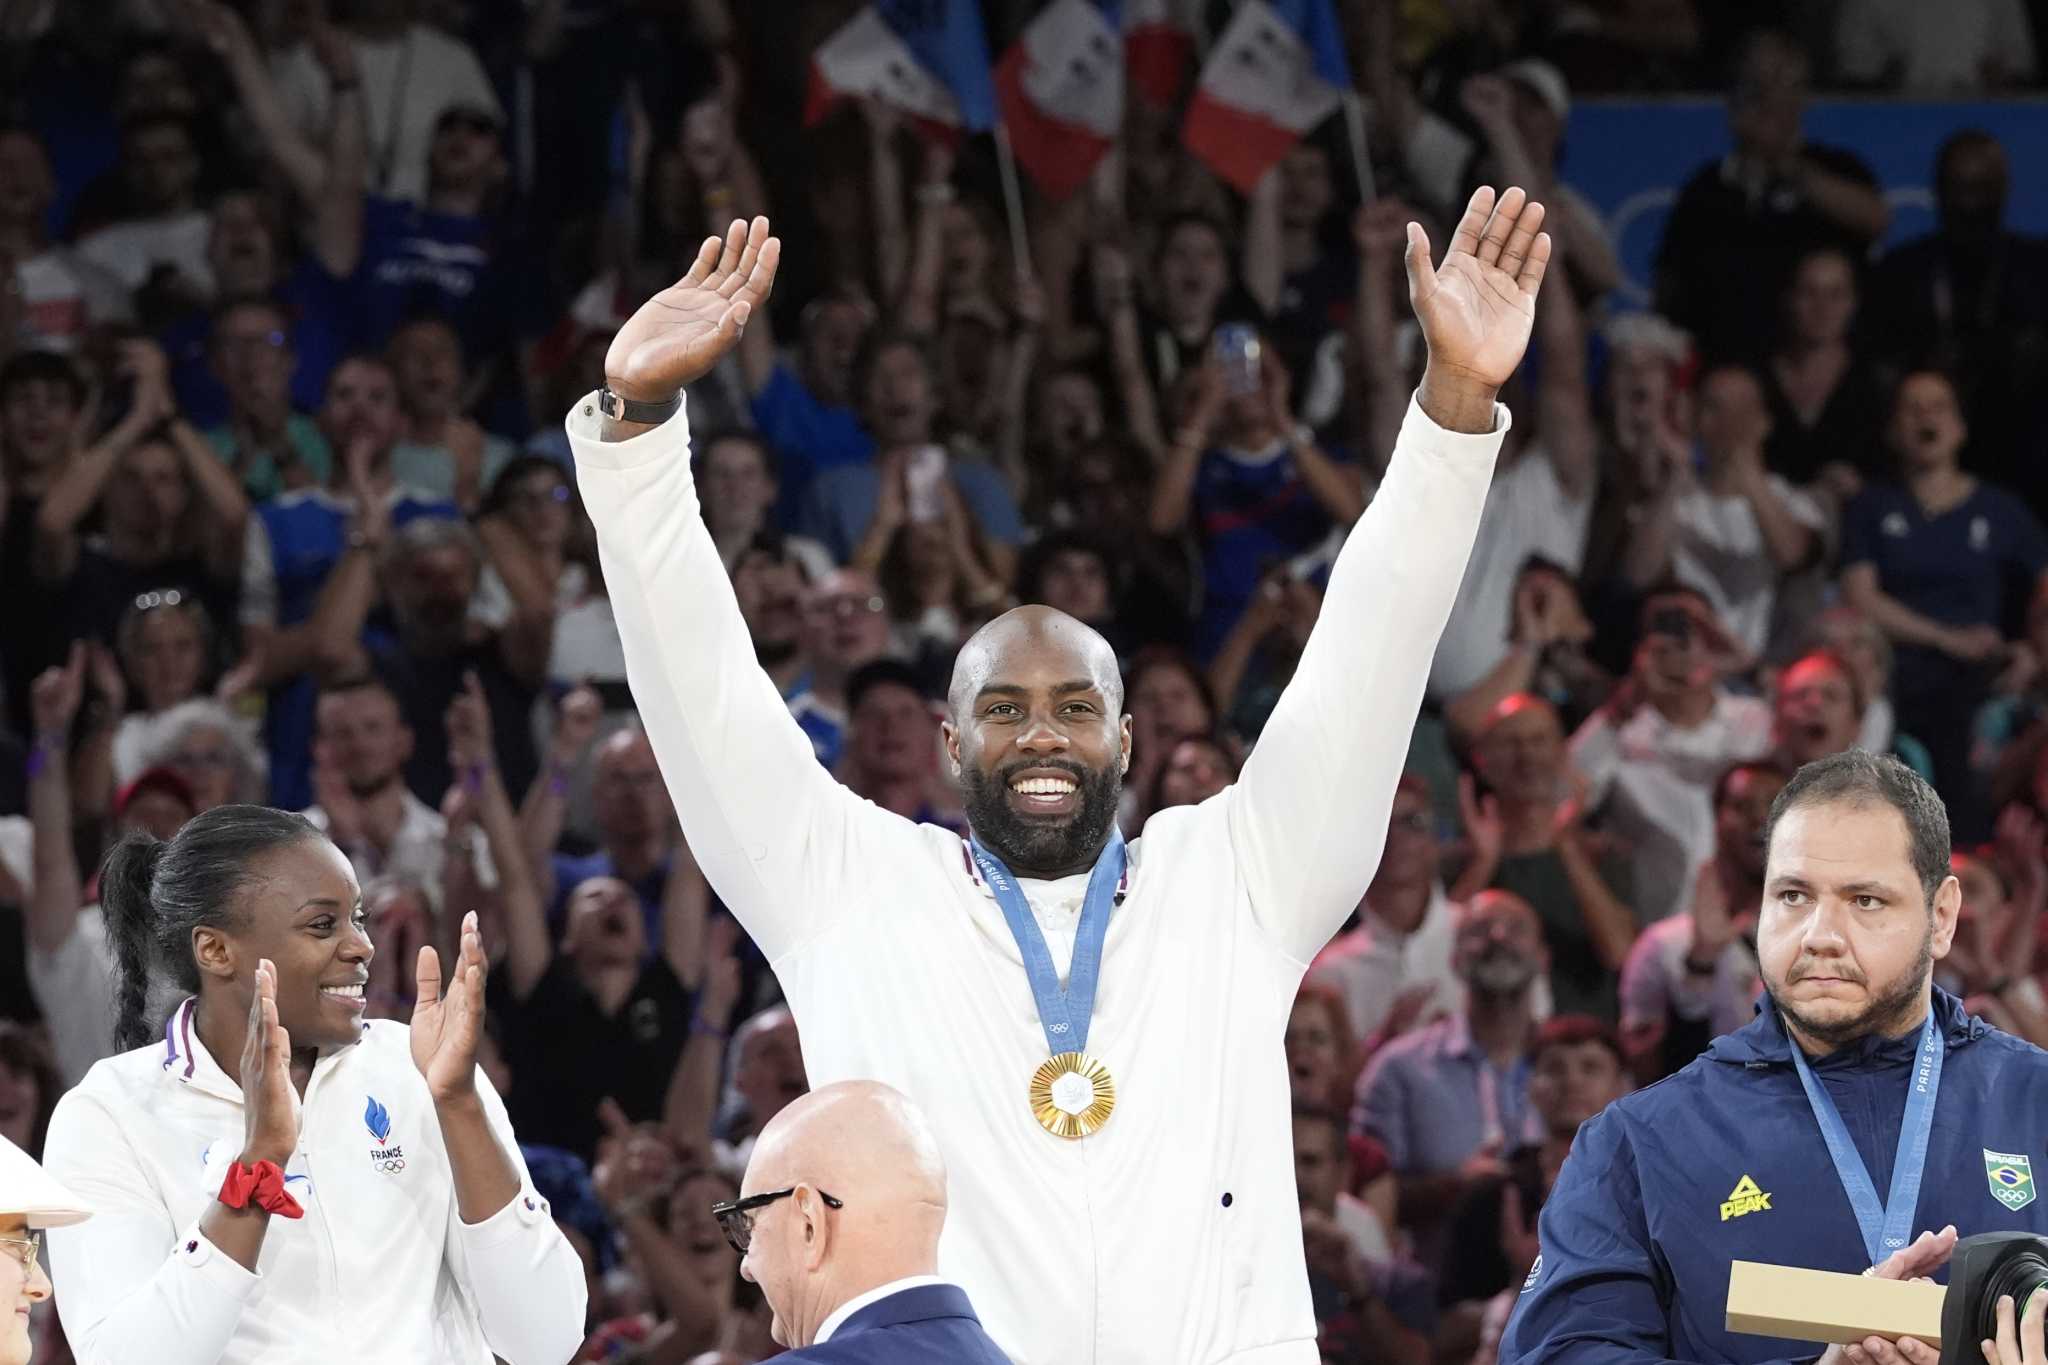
1883, 1014
774, 653
1032, 848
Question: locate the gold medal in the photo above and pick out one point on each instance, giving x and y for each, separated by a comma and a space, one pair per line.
1072, 1095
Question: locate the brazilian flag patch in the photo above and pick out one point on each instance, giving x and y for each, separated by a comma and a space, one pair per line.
2011, 1177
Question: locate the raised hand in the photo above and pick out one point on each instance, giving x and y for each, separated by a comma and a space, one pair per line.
577, 717
1477, 308
270, 1122
1381, 227
55, 695
446, 1028
1482, 821
680, 333
1713, 918
469, 728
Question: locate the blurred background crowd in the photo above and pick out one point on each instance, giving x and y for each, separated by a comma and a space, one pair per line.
293, 297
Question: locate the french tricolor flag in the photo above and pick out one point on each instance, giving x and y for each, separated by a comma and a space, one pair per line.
926, 58
1277, 72
1060, 88
1159, 40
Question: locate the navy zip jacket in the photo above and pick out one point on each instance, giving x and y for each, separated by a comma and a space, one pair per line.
1724, 1162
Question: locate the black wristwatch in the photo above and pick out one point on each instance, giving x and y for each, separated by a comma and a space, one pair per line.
629, 410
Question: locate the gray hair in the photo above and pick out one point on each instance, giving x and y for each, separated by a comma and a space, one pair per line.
424, 534
174, 726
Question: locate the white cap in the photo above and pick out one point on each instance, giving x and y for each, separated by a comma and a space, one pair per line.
1543, 80
29, 1190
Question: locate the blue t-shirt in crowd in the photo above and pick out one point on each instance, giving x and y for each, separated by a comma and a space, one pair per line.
452, 266
307, 532
1964, 567
320, 310
1255, 513
841, 502
808, 436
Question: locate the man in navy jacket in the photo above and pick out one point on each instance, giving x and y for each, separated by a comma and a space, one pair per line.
839, 1218
1783, 1143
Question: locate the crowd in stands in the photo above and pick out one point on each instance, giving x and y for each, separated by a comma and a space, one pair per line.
294, 295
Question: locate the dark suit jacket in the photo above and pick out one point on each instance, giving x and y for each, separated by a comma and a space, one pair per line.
932, 1324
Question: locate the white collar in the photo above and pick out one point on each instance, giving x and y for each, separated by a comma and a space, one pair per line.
839, 1315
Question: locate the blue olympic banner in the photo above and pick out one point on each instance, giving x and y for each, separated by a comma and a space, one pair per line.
1630, 159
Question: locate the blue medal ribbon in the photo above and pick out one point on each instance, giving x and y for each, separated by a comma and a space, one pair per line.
1888, 1226
1063, 1014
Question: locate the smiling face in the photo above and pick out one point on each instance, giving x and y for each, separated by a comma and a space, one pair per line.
694, 1231
22, 1287
168, 656
1847, 939
366, 736
1037, 742
205, 758
301, 908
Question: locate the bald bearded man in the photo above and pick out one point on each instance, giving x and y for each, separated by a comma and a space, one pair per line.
852, 1276
1095, 1031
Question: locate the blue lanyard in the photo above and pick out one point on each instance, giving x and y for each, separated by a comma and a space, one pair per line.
1889, 1226
1063, 1014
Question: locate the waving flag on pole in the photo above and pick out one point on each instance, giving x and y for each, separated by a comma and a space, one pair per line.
927, 58
1277, 72
1060, 88
1159, 40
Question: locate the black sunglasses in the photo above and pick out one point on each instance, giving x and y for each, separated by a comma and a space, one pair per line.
736, 1217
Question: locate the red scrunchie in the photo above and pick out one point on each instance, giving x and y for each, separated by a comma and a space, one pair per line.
264, 1184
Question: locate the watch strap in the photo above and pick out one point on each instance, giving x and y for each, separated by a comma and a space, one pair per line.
631, 410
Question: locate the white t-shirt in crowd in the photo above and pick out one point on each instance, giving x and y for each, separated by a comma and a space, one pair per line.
131, 251
1654, 980
1528, 513
1935, 48
1373, 964
407, 85
64, 295
1719, 549
1654, 784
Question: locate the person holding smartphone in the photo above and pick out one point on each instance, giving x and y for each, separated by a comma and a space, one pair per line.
1255, 483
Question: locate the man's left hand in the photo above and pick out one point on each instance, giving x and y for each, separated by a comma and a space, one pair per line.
1917, 1260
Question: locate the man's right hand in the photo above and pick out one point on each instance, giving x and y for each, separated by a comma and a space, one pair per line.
680, 333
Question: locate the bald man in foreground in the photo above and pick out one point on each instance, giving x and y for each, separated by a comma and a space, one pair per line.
1094, 1031
839, 1218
